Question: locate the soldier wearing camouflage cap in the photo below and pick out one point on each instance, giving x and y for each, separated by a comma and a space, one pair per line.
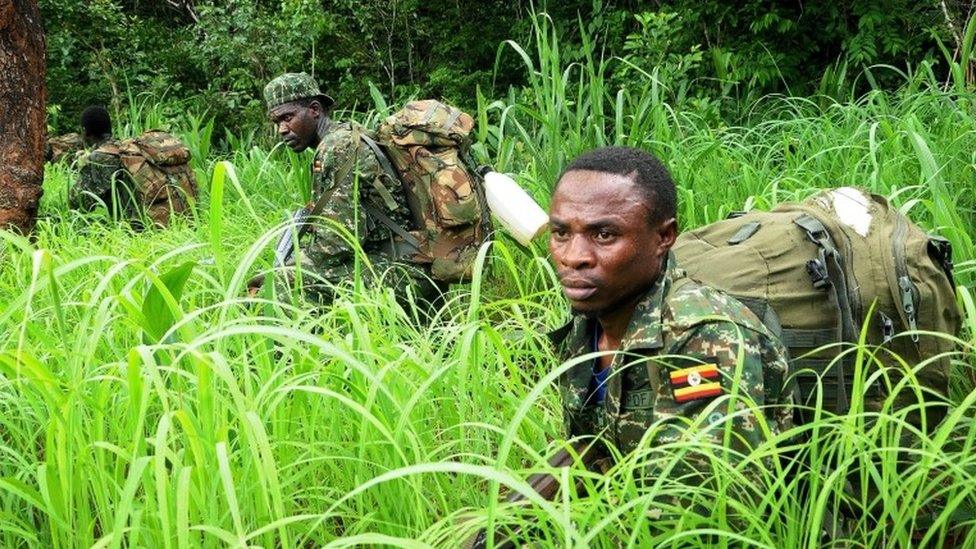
676, 350
300, 113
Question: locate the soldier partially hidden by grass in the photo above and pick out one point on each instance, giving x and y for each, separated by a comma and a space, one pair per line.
688, 373
352, 192
146, 178
677, 352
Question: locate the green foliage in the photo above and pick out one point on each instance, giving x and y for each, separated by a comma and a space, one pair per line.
161, 306
718, 55
266, 425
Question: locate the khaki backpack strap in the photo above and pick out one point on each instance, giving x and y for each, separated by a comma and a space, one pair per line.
451, 119
828, 272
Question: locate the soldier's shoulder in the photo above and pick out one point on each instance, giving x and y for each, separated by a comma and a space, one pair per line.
339, 137
105, 155
691, 303
109, 147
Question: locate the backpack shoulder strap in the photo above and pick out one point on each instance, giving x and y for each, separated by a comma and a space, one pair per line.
373, 210
828, 271
380, 156
393, 226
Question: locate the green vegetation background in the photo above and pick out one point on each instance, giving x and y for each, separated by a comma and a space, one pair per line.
145, 402
219, 54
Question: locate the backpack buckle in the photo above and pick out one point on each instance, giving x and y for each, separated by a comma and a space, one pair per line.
818, 274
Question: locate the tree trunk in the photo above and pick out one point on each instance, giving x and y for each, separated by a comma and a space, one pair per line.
21, 113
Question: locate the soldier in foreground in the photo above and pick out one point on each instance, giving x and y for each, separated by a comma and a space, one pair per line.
146, 178
351, 191
680, 358
674, 347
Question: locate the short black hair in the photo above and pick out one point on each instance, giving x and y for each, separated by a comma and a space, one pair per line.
647, 171
95, 121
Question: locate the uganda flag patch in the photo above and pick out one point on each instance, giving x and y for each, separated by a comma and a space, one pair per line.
701, 391
695, 382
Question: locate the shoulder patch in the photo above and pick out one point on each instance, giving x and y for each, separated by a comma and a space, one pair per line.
704, 390
694, 375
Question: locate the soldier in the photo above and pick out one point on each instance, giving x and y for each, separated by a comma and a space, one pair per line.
100, 173
96, 126
300, 113
96, 129
677, 348
147, 177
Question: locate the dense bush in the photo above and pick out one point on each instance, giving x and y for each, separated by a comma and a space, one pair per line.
220, 53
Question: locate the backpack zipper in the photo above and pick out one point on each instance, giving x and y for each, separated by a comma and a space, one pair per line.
908, 291
887, 328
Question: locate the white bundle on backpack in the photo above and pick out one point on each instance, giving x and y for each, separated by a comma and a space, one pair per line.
514, 208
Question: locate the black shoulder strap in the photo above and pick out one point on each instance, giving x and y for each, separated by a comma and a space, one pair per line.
393, 226
380, 157
373, 210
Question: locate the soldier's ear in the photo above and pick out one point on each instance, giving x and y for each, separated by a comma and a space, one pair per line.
316, 107
668, 232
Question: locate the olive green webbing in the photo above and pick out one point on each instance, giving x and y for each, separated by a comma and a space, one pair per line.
846, 330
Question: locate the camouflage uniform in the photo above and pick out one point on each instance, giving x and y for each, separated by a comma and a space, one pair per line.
103, 180
679, 354
327, 257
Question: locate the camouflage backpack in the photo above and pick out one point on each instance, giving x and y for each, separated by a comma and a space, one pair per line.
63, 147
813, 270
426, 146
159, 165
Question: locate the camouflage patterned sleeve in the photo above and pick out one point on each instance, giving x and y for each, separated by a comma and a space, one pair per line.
328, 247
722, 359
97, 174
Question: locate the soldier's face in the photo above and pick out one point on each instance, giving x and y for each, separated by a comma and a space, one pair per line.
605, 250
296, 125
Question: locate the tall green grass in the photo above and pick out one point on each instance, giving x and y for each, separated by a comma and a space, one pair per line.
145, 402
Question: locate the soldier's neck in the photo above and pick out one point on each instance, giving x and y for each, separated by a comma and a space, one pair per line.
613, 326
325, 124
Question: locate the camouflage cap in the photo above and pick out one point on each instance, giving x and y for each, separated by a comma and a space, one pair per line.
293, 86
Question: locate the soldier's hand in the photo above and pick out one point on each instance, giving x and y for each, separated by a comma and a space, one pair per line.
254, 285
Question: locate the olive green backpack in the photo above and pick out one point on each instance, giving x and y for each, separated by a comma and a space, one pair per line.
814, 270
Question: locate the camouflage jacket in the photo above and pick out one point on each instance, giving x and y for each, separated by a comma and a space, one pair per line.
687, 347
103, 180
328, 255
